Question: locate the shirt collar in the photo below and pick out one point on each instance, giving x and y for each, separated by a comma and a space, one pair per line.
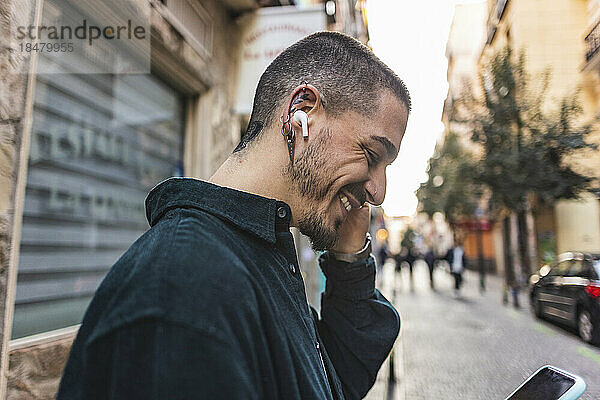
258, 215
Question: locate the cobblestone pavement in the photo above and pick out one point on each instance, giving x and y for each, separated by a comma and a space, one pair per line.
472, 347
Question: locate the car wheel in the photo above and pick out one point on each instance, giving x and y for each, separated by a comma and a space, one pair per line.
585, 326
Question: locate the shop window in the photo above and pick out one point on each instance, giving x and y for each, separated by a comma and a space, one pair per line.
99, 143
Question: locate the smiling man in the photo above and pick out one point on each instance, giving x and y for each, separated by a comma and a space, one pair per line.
210, 302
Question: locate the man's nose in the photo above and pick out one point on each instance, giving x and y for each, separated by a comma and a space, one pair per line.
375, 187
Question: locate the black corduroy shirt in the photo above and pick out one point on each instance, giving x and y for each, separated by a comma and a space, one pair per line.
210, 304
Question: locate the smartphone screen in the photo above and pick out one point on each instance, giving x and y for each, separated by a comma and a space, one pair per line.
547, 384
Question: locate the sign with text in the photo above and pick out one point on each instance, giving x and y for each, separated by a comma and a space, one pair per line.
88, 37
99, 143
266, 33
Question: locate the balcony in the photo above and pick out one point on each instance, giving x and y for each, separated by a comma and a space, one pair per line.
592, 44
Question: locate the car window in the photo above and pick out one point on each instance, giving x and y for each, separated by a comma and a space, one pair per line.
577, 268
596, 268
561, 268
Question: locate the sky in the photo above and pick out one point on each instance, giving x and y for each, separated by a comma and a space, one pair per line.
410, 37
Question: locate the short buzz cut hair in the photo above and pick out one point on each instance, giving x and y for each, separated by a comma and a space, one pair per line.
347, 74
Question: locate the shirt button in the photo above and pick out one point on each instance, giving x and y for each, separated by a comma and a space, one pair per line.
293, 268
281, 212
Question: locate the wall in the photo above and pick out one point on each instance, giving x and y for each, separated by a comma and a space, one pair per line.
578, 223
36, 365
212, 129
208, 82
465, 41
552, 33
472, 252
14, 122
545, 227
498, 243
553, 37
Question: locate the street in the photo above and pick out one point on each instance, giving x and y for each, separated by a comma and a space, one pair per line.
472, 347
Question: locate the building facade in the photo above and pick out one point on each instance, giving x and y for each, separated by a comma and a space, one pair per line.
561, 36
555, 35
81, 150
465, 42
79, 153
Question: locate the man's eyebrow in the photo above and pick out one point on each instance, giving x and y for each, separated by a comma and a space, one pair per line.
389, 146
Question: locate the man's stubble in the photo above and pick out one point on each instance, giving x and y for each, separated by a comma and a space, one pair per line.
312, 179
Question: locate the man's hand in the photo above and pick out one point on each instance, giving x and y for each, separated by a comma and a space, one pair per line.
353, 231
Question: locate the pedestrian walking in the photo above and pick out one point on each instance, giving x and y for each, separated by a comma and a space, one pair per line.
405, 256
382, 255
209, 303
457, 261
482, 272
408, 253
429, 258
411, 257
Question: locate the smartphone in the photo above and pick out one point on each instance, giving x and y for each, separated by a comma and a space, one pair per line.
549, 383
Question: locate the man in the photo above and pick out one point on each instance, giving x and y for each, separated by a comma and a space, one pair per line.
210, 303
457, 262
429, 258
408, 253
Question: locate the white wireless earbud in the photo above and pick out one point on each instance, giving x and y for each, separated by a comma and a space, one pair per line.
301, 118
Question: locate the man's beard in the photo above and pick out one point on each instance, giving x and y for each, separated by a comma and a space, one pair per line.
309, 175
321, 236
313, 177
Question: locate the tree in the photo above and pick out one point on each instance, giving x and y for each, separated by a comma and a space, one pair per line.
452, 187
525, 142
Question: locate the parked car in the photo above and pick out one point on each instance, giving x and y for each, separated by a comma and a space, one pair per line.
568, 291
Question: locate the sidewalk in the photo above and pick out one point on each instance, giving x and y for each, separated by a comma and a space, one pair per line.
384, 389
393, 285
473, 346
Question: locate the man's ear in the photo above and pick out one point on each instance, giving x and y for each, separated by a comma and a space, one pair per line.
304, 97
